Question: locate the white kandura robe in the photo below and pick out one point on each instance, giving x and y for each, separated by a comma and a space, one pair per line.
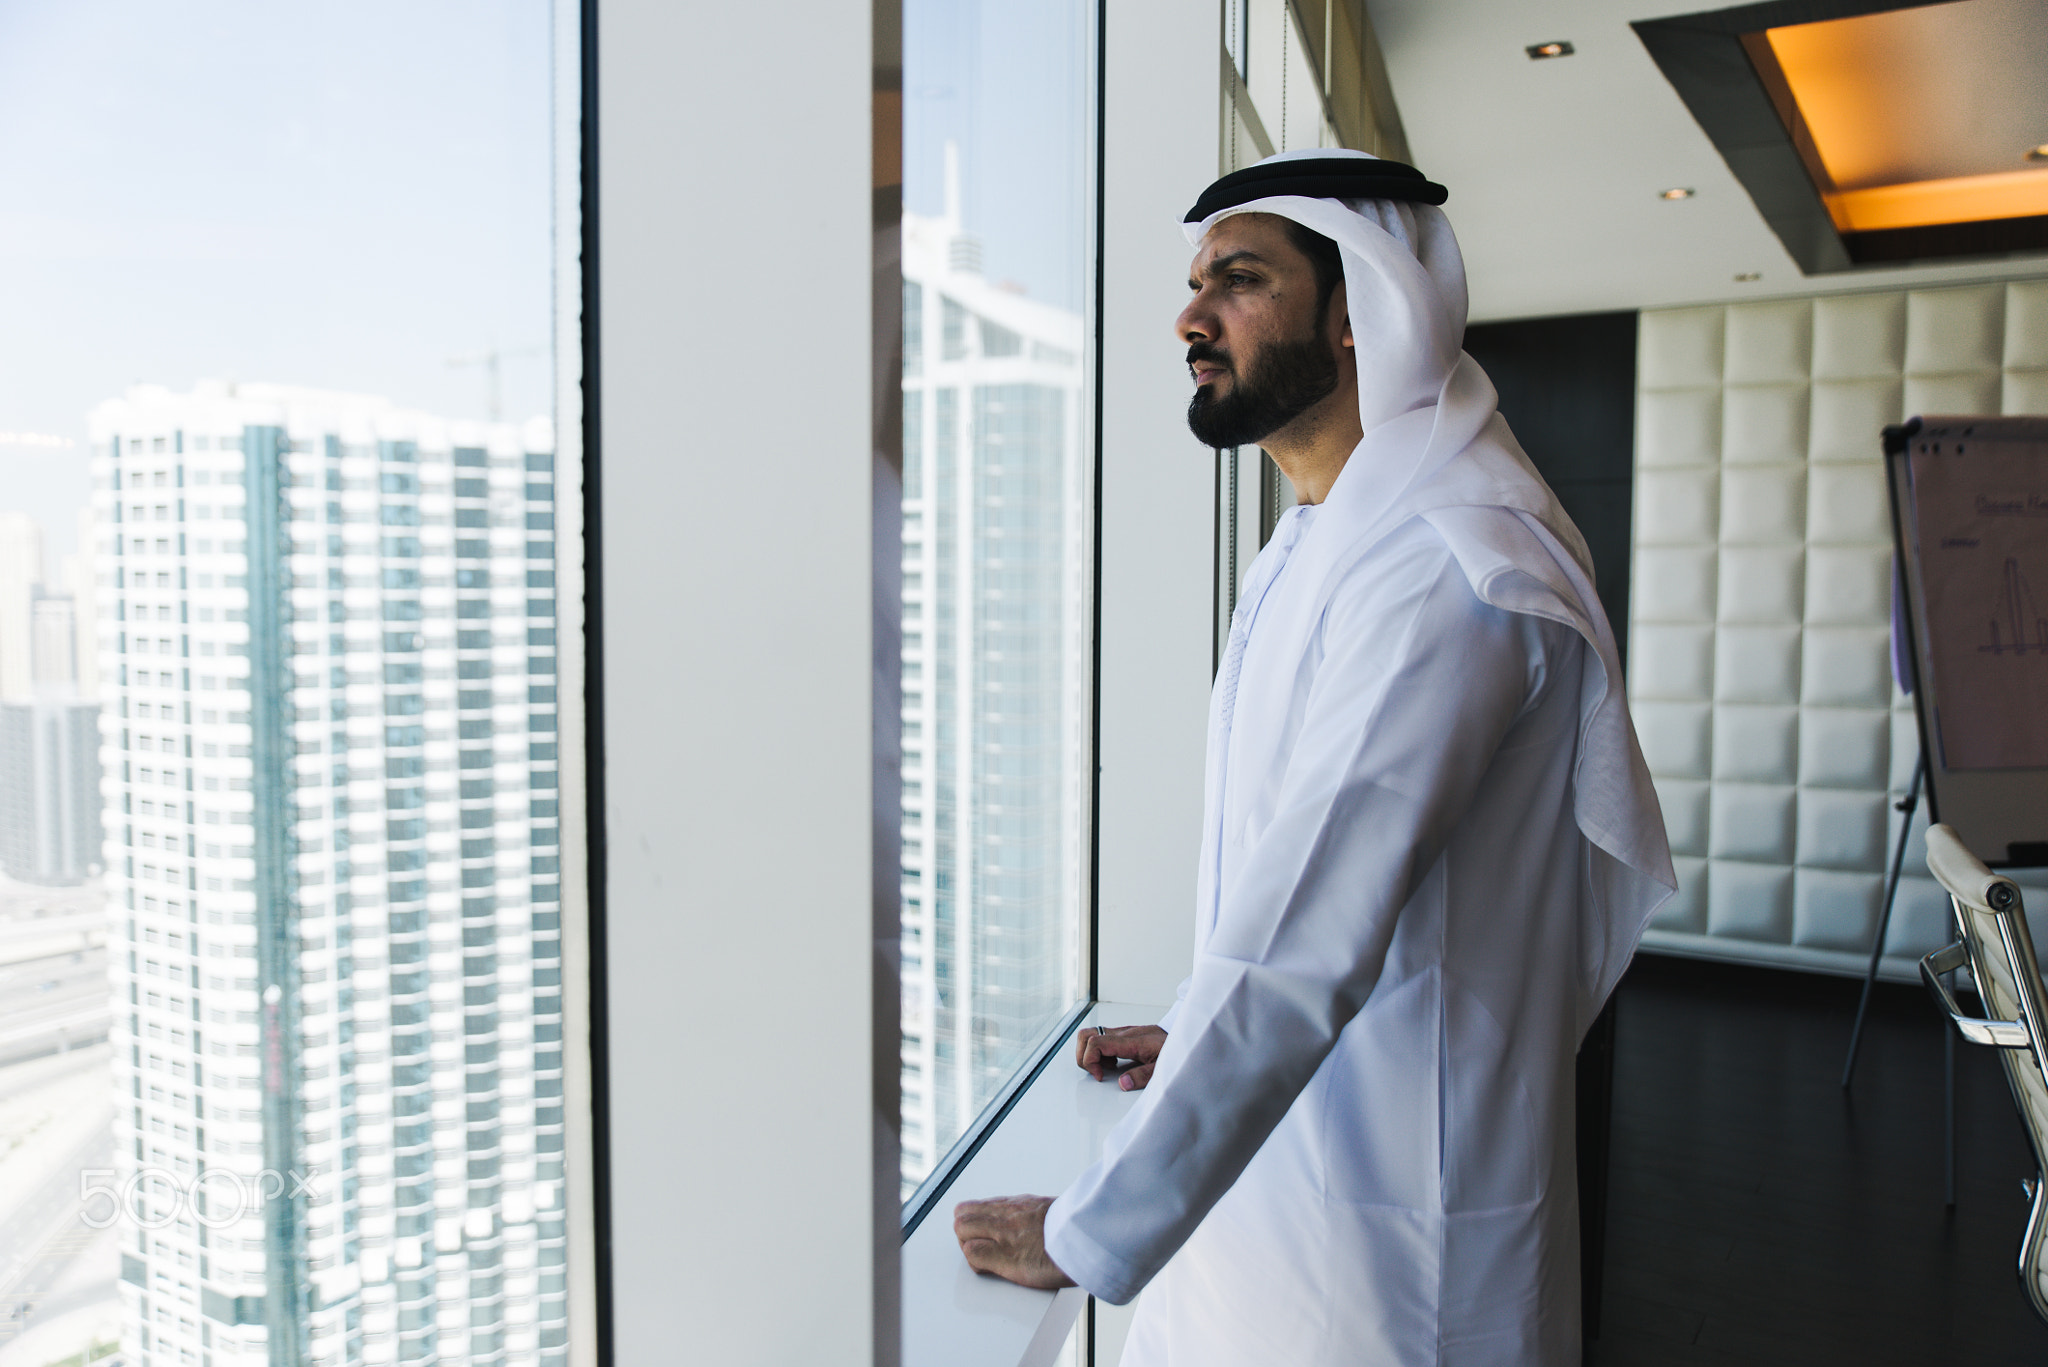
1429, 847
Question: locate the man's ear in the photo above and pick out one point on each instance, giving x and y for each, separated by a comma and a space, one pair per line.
1338, 300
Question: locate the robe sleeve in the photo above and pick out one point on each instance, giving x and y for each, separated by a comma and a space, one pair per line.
1180, 996
1418, 683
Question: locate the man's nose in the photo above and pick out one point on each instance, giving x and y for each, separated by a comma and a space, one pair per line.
1195, 324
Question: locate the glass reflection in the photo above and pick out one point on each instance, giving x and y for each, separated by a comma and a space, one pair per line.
997, 546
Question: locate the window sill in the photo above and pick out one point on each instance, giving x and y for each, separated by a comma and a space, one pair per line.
954, 1316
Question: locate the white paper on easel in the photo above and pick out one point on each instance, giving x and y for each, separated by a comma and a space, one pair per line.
1981, 520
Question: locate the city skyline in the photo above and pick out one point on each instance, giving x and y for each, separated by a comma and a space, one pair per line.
50, 803
312, 887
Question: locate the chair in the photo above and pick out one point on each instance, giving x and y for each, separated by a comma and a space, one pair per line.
1999, 953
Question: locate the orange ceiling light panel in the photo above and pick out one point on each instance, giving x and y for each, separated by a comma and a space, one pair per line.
1916, 117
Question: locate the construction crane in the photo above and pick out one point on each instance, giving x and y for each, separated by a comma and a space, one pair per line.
489, 360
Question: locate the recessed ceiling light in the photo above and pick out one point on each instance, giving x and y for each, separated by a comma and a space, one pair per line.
1749, 277
1537, 52
1676, 192
2038, 153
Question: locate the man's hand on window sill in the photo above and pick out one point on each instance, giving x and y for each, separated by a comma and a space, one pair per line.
1098, 1051
1006, 1238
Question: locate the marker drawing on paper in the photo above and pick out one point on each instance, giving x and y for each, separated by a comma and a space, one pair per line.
1981, 521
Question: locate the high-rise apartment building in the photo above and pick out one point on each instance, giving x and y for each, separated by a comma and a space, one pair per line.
996, 638
327, 661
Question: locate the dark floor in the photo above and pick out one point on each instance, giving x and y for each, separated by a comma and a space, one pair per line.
1759, 1215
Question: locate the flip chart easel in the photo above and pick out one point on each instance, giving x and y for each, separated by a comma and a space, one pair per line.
1969, 505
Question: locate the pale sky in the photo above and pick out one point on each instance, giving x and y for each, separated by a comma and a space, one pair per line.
1009, 83
338, 195
348, 195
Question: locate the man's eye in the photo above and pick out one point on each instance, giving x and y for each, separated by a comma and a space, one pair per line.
1240, 278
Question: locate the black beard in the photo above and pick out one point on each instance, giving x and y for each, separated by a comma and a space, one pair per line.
1282, 382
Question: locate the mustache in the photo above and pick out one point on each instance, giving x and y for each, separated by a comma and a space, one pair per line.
1209, 351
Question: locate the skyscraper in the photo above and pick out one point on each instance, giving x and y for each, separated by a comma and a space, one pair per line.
327, 657
21, 571
50, 830
53, 645
79, 582
996, 631
49, 791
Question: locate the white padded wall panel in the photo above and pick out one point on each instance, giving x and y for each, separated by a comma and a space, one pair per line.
1856, 336
1762, 424
1756, 664
1674, 662
1676, 507
2026, 348
1677, 738
1750, 899
1953, 393
1845, 747
1681, 348
1685, 912
1847, 584
1840, 829
1846, 412
1761, 586
1955, 330
1751, 821
1833, 911
1763, 505
2026, 391
1769, 344
1683, 427
1685, 813
1761, 599
1680, 582
2026, 326
1847, 504
1755, 744
1847, 666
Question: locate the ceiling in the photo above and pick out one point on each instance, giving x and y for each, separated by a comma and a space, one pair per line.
1928, 93
1555, 167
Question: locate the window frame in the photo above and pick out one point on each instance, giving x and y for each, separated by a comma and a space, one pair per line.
692, 1219
578, 677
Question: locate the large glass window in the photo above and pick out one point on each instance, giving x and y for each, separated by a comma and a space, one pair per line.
281, 1028
998, 533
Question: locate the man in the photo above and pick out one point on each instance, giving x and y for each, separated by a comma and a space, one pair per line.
1429, 845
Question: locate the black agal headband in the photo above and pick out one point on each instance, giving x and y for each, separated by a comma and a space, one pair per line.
1319, 178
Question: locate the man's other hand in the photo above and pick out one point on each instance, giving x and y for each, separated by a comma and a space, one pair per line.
1006, 1237
1098, 1052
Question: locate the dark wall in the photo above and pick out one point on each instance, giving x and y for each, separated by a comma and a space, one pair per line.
1568, 389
